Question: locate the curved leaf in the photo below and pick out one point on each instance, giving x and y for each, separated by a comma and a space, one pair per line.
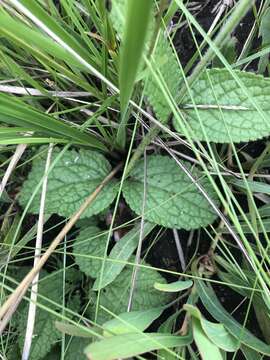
214, 307
121, 251
131, 322
115, 296
126, 345
225, 110
207, 349
88, 244
216, 333
172, 200
75, 176
174, 286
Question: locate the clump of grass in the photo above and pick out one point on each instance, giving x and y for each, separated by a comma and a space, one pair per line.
98, 182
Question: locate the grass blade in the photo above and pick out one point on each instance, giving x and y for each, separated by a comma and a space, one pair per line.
136, 25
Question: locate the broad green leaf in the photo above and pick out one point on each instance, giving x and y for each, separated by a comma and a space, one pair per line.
215, 332
264, 32
121, 252
165, 64
87, 246
219, 336
133, 43
114, 297
14, 111
214, 307
226, 112
175, 286
163, 61
13, 352
74, 177
172, 200
208, 350
75, 348
50, 288
46, 333
50, 285
126, 345
133, 321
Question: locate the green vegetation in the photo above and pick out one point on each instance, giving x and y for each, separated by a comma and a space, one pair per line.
135, 184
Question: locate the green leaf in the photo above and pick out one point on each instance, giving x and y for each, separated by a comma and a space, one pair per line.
50, 288
228, 51
75, 348
207, 349
164, 62
126, 345
114, 297
57, 28
214, 307
87, 246
46, 333
215, 332
14, 111
264, 32
175, 286
251, 354
74, 177
254, 186
168, 326
33, 37
219, 335
73, 330
225, 111
121, 251
172, 200
133, 43
131, 322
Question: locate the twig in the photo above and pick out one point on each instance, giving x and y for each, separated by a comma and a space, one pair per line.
19, 292
19, 90
34, 290
179, 249
15, 158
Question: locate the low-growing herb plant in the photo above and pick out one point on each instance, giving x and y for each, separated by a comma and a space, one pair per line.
135, 195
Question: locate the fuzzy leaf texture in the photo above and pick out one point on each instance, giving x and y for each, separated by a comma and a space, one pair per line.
114, 297
172, 200
165, 65
51, 288
264, 32
224, 110
163, 62
87, 246
46, 333
74, 177
75, 348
